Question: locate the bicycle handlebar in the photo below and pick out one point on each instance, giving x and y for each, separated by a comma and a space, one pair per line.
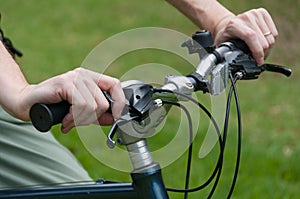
232, 56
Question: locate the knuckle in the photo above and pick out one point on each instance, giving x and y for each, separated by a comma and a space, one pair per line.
82, 105
78, 70
250, 34
232, 22
60, 80
100, 107
253, 11
271, 41
104, 106
262, 11
244, 16
63, 82
68, 76
116, 82
265, 45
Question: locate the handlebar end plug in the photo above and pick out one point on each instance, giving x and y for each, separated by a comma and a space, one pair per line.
41, 117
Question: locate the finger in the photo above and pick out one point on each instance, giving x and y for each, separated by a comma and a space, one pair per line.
113, 86
84, 105
269, 21
98, 98
119, 101
266, 31
67, 122
80, 112
109, 84
266, 26
256, 49
246, 32
267, 52
256, 22
272, 29
249, 31
267, 39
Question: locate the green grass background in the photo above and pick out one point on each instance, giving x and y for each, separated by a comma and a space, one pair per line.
56, 35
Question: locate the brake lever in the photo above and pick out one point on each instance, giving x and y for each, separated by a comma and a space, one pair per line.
139, 98
277, 69
248, 68
123, 120
265, 67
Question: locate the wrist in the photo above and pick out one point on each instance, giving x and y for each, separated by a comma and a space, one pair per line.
215, 17
19, 105
206, 14
221, 25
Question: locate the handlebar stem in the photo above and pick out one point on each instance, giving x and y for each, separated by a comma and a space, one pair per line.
146, 174
181, 84
139, 155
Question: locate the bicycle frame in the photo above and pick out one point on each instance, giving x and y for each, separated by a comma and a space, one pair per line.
103, 191
151, 187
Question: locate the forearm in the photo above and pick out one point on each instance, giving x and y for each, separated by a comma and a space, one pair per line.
206, 14
12, 81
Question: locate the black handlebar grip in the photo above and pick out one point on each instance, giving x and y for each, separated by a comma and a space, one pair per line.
44, 116
240, 44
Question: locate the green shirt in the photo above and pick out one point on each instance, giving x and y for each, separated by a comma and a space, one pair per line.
28, 157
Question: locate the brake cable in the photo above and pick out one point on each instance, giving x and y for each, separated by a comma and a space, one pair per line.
239, 136
220, 158
190, 150
218, 168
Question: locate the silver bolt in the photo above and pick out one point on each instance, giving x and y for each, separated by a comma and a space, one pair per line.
189, 84
158, 103
239, 75
142, 123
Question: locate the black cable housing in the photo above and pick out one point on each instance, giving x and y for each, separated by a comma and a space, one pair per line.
222, 140
220, 158
239, 143
190, 150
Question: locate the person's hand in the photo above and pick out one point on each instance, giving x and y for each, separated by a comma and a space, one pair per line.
255, 27
82, 88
